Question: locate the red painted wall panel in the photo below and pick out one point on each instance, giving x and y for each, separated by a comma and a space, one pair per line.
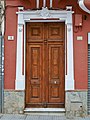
81, 55
80, 47
10, 48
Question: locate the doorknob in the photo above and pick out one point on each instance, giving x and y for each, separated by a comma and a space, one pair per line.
45, 40
55, 82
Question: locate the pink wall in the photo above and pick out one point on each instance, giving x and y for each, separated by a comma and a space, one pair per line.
81, 55
10, 48
80, 47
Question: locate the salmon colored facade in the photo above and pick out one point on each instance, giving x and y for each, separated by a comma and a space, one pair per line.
81, 28
80, 47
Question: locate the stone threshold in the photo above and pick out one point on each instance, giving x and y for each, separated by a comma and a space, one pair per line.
44, 110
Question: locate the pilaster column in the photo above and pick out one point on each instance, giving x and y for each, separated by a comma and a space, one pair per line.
20, 79
69, 80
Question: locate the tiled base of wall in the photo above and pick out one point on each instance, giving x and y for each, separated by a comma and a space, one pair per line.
75, 102
14, 101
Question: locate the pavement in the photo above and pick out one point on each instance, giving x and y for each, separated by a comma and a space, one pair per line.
38, 117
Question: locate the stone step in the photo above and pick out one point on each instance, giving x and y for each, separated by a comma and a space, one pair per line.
45, 111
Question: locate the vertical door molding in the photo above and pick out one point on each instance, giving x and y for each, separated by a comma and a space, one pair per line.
31, 16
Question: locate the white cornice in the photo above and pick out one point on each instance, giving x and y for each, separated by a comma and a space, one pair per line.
82, 6
62, 15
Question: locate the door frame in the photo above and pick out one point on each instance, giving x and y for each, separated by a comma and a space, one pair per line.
44, 15
44, 44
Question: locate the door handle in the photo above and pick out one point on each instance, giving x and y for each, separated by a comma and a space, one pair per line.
55, 82
45, 41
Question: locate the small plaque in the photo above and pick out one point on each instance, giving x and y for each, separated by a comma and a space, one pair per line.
79, 38
10, 37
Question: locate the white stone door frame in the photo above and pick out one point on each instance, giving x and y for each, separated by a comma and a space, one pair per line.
35, 16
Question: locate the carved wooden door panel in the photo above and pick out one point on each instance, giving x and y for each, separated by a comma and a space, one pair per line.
45, 65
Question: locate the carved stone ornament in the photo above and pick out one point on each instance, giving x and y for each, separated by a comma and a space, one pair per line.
20, 28
44, 13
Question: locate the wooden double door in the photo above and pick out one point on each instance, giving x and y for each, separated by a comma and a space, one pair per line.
45, 65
